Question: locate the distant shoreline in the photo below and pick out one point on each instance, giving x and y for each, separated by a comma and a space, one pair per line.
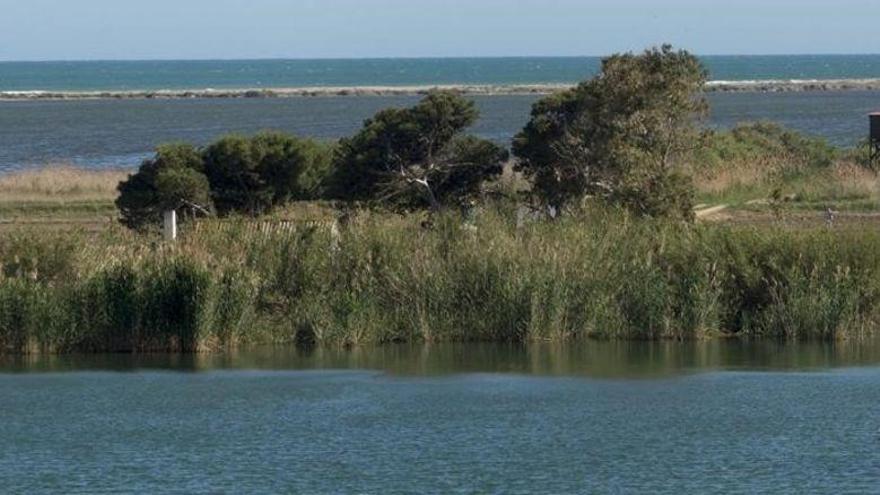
764, 86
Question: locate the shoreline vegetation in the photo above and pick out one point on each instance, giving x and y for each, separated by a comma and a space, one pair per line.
614, 216
758, 86
382, 279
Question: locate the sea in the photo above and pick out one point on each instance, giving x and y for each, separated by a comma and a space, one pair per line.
122, 132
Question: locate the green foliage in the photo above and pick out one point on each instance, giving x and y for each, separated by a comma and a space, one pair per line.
253, 175
173, 179
765, 161
766, 140
601, 275
237, 174
153, 305
38, 256
656, 195
20, 314
861, 154
619, 135
184, 189
417, 157
238, 182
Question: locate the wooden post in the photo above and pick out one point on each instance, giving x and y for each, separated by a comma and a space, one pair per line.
169, 225
521, 213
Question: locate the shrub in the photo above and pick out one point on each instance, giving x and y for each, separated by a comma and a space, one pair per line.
762, 140
253, 175
173, 179
861, 154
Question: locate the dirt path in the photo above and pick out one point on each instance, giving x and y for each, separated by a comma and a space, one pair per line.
708, 212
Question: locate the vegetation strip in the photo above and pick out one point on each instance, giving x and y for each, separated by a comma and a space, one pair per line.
413, 230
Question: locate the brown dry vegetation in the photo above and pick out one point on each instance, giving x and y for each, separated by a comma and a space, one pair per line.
61, 183
59, 197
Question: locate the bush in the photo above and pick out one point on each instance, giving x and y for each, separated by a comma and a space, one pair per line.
253, 175
762, 140
861, 155
236, 174
183, 189
766, 161
172, 180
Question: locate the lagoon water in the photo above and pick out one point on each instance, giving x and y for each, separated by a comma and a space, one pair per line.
111, 133
121, 133
710, 417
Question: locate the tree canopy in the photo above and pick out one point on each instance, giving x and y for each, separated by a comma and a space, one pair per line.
417, 157
254, 174
619, 135
236, 174
173, 179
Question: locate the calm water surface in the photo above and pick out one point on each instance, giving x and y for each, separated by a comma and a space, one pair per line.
114, 133
604, 418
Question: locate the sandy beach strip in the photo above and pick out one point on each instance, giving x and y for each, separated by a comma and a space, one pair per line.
764, 86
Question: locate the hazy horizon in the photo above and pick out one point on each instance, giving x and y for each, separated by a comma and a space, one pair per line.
109, 30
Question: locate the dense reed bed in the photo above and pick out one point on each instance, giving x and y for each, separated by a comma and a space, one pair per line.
383, 278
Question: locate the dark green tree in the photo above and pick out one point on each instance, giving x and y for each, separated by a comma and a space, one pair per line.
253, 175
172, 179
417, 157
233, 170
620, 135
294, 168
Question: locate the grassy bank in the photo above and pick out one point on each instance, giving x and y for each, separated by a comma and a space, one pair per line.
763, 167
385, 278
59, 197
758, 172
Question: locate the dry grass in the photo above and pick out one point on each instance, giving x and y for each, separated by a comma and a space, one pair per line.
61, 183
735, 174
856, 179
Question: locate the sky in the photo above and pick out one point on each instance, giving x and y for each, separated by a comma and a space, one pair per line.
235, 29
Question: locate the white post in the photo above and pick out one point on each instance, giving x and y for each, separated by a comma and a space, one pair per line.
169, 226
335, 235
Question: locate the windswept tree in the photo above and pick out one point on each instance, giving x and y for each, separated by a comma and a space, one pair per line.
172, 180
254, 174
417, 157
620, 135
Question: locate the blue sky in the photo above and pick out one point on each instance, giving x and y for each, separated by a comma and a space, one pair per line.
163, 29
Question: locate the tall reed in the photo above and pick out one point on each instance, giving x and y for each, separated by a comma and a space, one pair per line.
385, 278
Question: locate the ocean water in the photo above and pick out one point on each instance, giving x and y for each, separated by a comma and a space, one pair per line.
226, 74
121, 133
